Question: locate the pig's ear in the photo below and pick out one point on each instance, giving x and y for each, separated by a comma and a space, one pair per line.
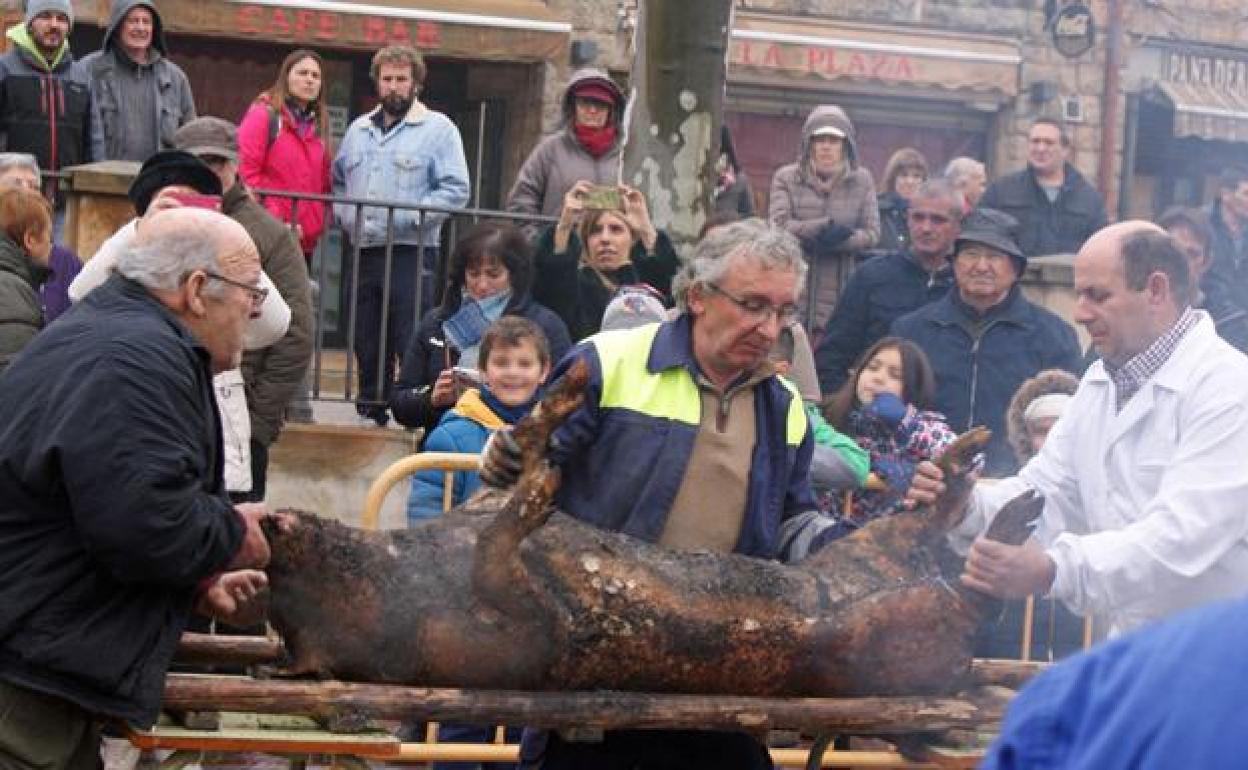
280, 522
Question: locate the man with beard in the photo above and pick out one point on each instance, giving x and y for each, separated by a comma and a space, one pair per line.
405, 153
39, 71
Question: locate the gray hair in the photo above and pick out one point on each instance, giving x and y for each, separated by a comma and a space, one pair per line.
770, 247
940, 189
963, 167
10, 160
162, 261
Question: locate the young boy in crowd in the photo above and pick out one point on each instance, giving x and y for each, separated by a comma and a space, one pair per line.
515, 359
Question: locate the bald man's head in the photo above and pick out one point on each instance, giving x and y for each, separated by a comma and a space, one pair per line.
204, 267
234, 245
1145, 248
1115, 234
1131, 284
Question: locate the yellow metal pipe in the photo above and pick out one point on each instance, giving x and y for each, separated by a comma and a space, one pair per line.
493, 752
404, 467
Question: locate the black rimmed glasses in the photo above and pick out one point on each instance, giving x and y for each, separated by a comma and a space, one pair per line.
258, 293
759, 309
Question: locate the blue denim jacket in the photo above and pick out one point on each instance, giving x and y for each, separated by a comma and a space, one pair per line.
420, 160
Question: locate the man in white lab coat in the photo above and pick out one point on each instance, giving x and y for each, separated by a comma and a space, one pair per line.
1145, 475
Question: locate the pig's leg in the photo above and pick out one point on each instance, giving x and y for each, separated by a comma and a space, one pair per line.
499, 577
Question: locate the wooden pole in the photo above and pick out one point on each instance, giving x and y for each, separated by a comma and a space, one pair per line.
250, 650
1005, 673
228, 650
606, 710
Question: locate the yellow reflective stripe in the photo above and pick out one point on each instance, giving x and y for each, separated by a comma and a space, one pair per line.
628, 384
798, 424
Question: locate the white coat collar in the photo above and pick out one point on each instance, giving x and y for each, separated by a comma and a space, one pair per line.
415, 114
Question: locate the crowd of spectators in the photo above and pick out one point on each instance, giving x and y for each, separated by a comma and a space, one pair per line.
782, 385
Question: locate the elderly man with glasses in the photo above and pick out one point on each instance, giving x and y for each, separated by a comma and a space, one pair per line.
273, 374
113, 515
689, 439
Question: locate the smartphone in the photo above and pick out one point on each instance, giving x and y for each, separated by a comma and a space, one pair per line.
466, 376
198, 201
603, 197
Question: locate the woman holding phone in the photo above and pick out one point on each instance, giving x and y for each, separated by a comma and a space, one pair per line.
281, 145
591, 253
489, 276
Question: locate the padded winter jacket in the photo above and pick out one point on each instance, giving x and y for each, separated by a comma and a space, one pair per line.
1060, 227
981, 360
112, 507
45, 107
292, 158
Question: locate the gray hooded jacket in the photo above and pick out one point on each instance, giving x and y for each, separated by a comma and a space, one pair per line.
138, 106
799, 206
559, 161
805, 205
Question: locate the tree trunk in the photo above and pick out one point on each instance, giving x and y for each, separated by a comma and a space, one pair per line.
678, 76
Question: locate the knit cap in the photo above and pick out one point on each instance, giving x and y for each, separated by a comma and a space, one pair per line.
632, 306
36, 7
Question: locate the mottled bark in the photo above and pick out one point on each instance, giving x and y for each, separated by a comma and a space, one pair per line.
678, 78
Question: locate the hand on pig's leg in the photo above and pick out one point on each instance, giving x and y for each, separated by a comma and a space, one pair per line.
235, 598
501, 460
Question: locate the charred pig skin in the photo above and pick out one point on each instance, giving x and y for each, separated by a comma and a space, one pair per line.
506, 594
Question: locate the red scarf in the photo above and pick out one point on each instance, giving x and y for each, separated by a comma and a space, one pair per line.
596, 141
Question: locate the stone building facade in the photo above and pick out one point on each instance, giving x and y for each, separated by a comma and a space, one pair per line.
946, 76
949, 77
1179, 110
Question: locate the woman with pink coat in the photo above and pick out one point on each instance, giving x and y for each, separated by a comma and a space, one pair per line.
281, 146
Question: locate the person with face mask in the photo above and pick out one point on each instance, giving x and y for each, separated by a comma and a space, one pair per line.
401, 151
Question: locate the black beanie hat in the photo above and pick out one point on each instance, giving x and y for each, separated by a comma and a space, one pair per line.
167, 168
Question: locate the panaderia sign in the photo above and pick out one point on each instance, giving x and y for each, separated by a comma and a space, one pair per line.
1220, 73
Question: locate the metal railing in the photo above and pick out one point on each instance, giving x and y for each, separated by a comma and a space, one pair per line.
430, 280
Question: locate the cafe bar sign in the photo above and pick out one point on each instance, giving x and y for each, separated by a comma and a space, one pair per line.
369, 26
326, 26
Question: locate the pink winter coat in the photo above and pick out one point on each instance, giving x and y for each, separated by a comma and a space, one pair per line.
295, 161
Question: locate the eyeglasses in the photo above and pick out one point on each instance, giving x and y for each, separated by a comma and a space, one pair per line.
760, 309
258, 293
